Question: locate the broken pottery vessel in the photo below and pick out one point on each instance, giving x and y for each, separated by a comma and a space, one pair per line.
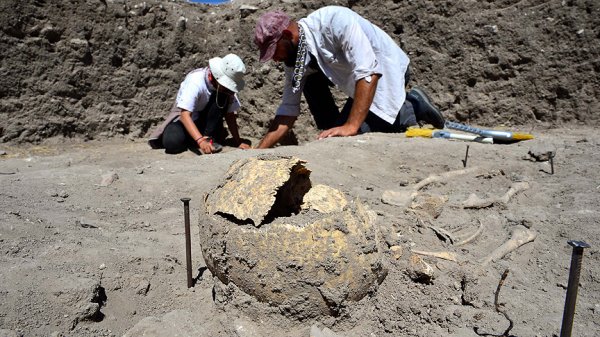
304, 249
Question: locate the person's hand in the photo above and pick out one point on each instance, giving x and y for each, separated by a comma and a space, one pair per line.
244, 146
205, 146
340, 131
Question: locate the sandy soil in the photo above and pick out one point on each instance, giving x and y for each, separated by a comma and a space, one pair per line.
83, 259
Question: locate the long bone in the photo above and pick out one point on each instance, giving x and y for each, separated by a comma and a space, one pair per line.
404, 198
475, 202
518, 237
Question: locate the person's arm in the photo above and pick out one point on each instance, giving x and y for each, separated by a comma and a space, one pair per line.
286, 114
279, 127
231, 120
192, 130
355, 45
363, 98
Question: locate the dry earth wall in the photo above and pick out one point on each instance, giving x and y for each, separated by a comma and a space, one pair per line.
95, 69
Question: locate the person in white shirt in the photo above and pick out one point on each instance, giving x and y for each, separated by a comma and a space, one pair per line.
205, 98
336, 46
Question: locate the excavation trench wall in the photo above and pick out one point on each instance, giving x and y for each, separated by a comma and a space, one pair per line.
113, 68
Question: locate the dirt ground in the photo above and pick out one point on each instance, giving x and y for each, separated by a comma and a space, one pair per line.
83, 259
91, 222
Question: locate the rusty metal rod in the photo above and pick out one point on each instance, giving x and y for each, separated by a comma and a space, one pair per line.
464, 161
188, 241
571, 299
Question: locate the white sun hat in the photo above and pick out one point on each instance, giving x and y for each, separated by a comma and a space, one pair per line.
228, 71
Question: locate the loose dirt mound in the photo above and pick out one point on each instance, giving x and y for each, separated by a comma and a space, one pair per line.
99, 69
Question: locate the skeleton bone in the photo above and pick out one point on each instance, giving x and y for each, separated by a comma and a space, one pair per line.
440, 232
518, 237
475, 202
472, 237
443, 177
514, 189
404, 198
450, 256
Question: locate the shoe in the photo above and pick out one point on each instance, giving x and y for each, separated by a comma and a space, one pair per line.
425, 110
155, 143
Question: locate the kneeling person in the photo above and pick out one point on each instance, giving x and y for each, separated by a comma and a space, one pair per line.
205, 98
336, 46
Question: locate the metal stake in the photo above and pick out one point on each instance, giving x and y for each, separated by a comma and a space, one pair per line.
577, 255
466, 157
552, 164
188, 242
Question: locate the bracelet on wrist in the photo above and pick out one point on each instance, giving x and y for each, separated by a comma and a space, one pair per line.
203, 138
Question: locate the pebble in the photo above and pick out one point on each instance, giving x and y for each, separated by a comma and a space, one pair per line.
108, 179
542, 152
396, 251
246, 10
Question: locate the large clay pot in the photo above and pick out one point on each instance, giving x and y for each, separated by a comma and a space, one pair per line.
302, 248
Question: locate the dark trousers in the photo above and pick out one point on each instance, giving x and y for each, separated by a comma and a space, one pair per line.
176, 139
317, 91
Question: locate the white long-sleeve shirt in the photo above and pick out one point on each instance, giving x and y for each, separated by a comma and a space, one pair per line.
348, 48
